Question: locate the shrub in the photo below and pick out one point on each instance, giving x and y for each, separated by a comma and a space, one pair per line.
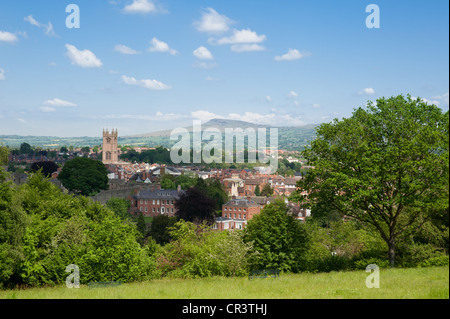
435, 261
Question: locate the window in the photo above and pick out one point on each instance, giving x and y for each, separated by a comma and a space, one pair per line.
225, 209
145, 209
140, 202
153, 202
158, 209
245, 216
157, 202
234, 215
239, 215
225, 215
153, 209
146, 202
162, 210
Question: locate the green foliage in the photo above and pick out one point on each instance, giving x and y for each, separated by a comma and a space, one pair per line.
197, 251
267, 190
196, 206
159, 230
280, 240
120, 207
4, 152
387, 165
42, 230
84, 176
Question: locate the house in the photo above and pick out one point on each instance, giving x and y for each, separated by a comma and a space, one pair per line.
154, 202
236, 213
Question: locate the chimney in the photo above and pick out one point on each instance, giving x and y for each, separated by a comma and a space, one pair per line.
162, 170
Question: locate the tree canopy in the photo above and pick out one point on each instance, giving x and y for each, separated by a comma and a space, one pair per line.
386, 165
84, 175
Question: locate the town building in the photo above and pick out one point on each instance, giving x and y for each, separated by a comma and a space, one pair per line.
236, 213
155, 201
110, 149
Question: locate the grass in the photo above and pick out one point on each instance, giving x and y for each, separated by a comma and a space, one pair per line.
410, 283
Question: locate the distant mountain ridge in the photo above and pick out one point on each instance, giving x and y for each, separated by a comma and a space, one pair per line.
220, 124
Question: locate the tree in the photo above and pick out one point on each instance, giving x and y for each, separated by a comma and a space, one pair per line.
85, 176
4, 152
25, 149
280, 240
160, 229
48, 167
257, 191
386, 166
120, 207
195, 206
267, 190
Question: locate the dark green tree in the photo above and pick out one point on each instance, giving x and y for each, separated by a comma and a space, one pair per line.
386, 165
195, 206
267, 190
257, 191
84, 176
48, 167
25, 149
120, 207
160, 228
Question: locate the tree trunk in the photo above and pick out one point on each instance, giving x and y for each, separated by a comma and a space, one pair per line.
391, 245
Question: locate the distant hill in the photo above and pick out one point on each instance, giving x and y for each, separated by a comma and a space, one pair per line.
289, 137
220, 124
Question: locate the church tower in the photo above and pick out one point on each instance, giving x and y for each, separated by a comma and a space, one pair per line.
110, 150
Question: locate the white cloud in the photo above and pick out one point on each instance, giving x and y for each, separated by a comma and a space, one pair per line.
435, 102
140, 6
291, 55
125, 50
47, 109
148, 84
203, 53
367, 91
293, 94
48, 28
2, 74
213, 22
21, 120
6, 36
444, 98
160, 46
268, 99
59, 102
158, 116
32, 21
205, 116
247, 47
242, 36
204, 65
316, 106
85, 58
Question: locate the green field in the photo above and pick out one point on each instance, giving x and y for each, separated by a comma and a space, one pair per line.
415, 283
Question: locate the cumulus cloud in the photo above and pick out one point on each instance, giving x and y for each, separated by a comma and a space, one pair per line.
160, 46
203, 53
292, 54
242, 36
2, 74
205, 116
142, 6
125, 50
444, 98
148, 84
367, 91
247, 47
9, 37
84, 58
213, 22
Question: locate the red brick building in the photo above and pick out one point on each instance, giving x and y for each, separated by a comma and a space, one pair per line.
236, 213
155, 202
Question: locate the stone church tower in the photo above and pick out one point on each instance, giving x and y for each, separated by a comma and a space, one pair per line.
110, 150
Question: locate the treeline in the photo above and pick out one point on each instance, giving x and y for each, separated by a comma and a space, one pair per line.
43, 230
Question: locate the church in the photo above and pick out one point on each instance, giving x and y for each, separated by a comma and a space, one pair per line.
110, 150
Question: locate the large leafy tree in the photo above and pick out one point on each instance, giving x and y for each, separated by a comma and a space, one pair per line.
84, 175
386, 165
48, 167
280, 240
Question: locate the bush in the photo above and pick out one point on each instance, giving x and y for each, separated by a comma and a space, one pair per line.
435, 261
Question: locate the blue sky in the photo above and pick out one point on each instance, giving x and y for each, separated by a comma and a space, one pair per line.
147, 65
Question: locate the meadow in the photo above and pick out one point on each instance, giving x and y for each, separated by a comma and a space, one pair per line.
399, 283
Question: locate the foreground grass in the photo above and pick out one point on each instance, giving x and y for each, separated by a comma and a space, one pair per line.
416, 283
